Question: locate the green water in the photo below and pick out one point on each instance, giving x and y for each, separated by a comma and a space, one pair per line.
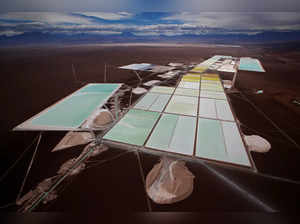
210, 141
174, 133
163, 132
184, 105
73, 110
133, 128
99, 88
250, 64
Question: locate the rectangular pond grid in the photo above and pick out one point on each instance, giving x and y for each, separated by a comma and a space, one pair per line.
189, 85
196, 121
187, 92
162, 90
184, 105
199, 69
153, 102
191, 78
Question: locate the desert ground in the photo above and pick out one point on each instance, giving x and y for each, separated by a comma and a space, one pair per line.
33, 78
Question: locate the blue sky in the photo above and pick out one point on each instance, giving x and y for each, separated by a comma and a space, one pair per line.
163, 17
147, 24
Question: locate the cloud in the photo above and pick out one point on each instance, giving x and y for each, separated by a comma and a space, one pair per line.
93, 32
197, 6
235, 21
10, 33
151, 24
44, 17
107, 15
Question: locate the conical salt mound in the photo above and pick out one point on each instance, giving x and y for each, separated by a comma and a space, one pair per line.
151, 82
102, 119
169, 181
139, 90
257, 144
72, 139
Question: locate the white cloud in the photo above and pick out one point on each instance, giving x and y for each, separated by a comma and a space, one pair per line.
96, 32
108, 15
92, 26
105, 32
235, 5
44, 17
189, 23
10, 33
151, 33
231, 20
167, 32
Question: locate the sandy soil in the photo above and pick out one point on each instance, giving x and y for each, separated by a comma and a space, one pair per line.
34, 78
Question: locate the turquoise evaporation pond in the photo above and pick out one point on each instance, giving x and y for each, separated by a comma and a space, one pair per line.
210, 140
134, 127
153, 102
99, 88
73, 110
250, 64
221, 141
174, 133
214, 59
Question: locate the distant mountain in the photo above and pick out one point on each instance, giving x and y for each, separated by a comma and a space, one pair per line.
110, 27
42, 37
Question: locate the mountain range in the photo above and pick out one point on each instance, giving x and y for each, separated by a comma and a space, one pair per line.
103, 27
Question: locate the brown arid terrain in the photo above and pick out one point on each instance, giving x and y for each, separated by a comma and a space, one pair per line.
32, 78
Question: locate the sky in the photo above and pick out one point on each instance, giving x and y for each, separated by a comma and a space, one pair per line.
148, 17
149, 5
